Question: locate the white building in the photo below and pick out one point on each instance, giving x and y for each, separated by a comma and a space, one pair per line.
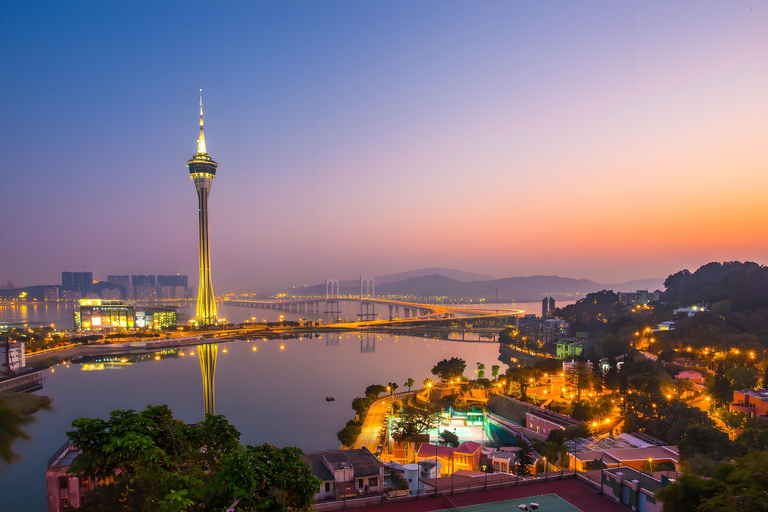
18, 358
51, 294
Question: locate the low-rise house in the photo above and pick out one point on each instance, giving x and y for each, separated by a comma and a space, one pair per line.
575, 347
634, 489
543, 421
465, 456
346, 473
634, 458
751, 401
64, 490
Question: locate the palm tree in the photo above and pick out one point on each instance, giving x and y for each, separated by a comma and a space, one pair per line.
495, 370
392, 387
480, 371
409, 383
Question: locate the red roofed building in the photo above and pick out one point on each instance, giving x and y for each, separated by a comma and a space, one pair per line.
751, 401
465, 456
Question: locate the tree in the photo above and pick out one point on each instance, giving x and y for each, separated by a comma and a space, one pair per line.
525, 459
409, 426
741, 377
707, 441
597, 378
375, 389
721, 387
157, 463
409, 384
685, 494
578, 377
16, 410
392, 387
448, 438
448, 369
741, 486
495, 370
480, 371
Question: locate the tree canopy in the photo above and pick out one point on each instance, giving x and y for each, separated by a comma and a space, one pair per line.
158, 463
450, 368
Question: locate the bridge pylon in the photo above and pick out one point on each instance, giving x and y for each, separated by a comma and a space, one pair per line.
332, 294
367, 291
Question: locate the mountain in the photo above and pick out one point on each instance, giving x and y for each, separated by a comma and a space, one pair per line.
519, 289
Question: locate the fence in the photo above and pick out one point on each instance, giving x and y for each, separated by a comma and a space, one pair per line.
443, 491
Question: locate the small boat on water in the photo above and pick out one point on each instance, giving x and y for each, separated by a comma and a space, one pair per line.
329, 399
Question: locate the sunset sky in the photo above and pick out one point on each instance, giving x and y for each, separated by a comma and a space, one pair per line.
603, 140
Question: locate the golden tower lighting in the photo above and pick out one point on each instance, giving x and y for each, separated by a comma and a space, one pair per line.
202, 170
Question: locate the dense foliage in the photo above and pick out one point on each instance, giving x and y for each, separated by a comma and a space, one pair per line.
743, 284
149, 461
450, 368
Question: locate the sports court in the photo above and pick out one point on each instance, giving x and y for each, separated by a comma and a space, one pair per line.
567, 495
543, 503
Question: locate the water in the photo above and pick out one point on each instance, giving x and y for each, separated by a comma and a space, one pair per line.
271, 395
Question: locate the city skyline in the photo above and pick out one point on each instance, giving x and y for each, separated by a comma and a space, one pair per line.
598, 141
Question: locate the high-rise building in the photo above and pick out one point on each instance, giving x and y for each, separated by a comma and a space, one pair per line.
121, 280
77, 282
544, 306
173, 280
202, 170
551, 304
142, 280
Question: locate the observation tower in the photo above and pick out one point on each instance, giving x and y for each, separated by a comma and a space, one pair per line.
202, 170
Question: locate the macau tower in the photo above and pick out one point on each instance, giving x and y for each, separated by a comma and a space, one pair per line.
202, 170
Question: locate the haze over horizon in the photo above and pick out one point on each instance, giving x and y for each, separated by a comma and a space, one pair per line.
593, 140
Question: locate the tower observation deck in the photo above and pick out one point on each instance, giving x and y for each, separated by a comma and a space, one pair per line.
202, 170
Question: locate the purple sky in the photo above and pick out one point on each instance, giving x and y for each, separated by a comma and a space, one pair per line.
602, 140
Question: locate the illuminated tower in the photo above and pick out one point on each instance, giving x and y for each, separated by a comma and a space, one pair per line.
202, 170
207, 355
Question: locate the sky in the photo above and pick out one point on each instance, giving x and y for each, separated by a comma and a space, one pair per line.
605, 140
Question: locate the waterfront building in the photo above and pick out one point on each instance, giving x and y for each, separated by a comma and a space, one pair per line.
202, 170
544, 307
98, 315
12, 357
51, 294
70, 295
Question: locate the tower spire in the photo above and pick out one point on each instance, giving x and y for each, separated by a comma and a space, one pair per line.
201, 138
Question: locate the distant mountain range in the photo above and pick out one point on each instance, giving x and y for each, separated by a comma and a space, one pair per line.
456, 284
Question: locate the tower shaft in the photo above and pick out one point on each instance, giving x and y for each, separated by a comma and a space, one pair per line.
206, 304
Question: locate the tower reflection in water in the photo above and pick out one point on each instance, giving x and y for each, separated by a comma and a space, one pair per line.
207, 355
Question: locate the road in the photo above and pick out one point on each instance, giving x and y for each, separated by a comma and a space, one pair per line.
369, 437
